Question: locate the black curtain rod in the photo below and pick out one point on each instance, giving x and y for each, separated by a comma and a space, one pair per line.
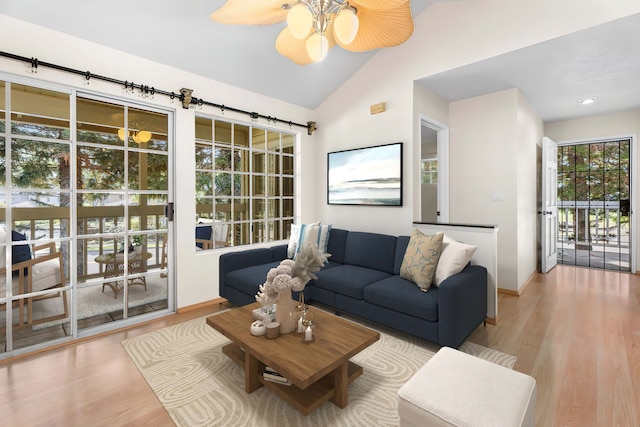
184, 95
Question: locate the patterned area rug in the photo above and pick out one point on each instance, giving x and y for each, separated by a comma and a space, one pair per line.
200, 386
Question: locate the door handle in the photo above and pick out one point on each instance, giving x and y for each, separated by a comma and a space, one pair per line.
168, 211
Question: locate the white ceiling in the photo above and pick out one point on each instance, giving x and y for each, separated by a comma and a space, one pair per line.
179, 33
603, 61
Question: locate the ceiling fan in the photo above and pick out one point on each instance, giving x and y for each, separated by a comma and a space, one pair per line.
315, 26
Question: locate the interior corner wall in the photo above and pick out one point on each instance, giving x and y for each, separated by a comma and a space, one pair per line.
195, 273
530, 132
483, 153
626, 123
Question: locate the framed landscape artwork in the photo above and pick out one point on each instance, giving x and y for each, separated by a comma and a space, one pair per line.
365, 176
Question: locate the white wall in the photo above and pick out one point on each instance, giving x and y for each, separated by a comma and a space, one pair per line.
449, 35
196, 273
621, 124
529, 137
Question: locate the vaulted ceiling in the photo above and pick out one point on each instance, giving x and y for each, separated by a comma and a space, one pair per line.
602, 61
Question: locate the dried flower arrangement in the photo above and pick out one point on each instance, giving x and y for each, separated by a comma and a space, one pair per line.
292, 274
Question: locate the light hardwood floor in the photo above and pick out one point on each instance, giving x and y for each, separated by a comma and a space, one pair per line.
576, 330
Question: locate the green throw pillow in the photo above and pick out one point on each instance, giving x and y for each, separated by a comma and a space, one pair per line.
421, 258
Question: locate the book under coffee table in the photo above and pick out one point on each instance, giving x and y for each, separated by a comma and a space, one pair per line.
319, 371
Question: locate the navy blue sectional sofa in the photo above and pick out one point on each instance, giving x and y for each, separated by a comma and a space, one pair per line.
362, 278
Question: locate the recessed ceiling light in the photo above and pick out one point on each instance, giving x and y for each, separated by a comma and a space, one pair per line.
589, 100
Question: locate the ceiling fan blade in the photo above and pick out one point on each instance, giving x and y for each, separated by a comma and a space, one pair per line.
382, 29
250, 12
296, 50
377, 5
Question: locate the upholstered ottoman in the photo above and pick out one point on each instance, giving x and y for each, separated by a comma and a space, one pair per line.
456, 389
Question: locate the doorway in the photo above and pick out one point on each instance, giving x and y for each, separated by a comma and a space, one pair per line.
434, 172
594, 204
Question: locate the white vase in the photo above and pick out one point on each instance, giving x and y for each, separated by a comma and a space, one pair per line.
286, 313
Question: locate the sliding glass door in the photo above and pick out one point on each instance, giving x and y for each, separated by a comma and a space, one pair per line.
83, 237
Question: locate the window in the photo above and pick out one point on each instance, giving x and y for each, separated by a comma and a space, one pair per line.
429, 171
244, 183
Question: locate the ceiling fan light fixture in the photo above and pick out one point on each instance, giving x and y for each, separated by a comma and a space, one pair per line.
345, 26
317, 47
299, 20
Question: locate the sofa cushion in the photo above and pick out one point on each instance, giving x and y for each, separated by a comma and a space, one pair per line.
370, 250
401, 248
404, 296
348, 279
248, 279
336, 244
421, 258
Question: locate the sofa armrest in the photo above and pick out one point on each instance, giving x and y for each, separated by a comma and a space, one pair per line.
238, 260
462, 305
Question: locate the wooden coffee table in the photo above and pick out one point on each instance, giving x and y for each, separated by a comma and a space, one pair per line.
320, 371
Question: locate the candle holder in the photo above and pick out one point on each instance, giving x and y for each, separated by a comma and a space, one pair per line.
309, 328
301, 313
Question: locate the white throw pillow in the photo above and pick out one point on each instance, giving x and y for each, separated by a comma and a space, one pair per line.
454, 257
294, 239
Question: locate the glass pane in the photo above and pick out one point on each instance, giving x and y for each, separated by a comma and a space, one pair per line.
223, 184
40, 164
273, 185
100, 169
258, 138
223, 210
242, 161
273, 230
273, 141
204, 184
147, 129
287, 165
259, 206
241, 136
204, 130
273, 208
148, 171
223, 132
39, 112
287, 207
223, 159
288, 142
258, 185
273, 163
204, 156
286, 228
100, 122
204, 207
259, 231
241, 234
287, 187
258, 162
42, 214
241, 209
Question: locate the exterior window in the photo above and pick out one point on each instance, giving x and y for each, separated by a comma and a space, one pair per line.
429, 171
244, 184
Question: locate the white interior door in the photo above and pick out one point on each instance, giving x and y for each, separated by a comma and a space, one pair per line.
549, 208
